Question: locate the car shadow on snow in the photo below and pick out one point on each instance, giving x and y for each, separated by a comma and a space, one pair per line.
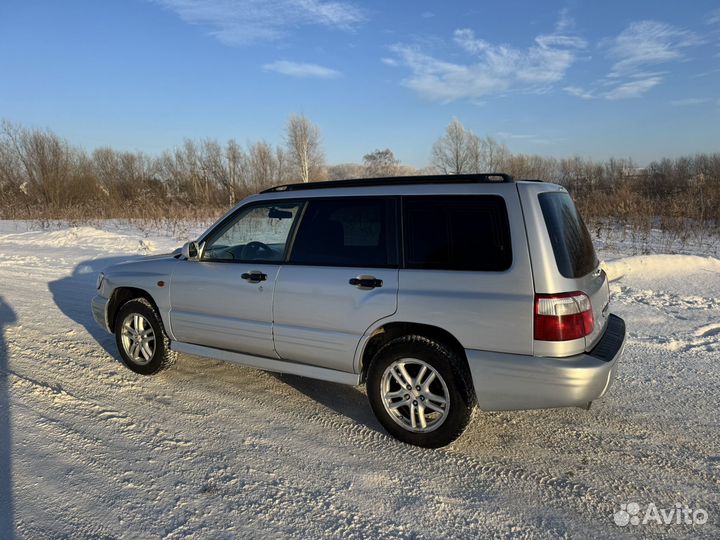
7, 528
343, 399
72, 295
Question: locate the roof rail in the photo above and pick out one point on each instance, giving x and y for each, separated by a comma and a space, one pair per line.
493, 178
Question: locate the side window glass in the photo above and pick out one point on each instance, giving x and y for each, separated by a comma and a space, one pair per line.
358, 232
457, 233
259, 233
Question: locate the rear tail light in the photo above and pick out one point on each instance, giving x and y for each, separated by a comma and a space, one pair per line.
561, 317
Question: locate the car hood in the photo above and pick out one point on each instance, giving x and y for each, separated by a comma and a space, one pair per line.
143, 263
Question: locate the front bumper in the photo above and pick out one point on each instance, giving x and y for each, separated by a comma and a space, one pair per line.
511, 381
99, 311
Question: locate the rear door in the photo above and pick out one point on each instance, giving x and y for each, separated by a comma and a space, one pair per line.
341, 277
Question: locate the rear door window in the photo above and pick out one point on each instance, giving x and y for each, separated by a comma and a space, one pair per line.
358, 232
570, 239
457, 233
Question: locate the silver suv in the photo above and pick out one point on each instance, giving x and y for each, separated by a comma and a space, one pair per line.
438, 293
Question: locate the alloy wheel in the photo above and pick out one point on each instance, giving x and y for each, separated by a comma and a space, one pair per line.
415, 395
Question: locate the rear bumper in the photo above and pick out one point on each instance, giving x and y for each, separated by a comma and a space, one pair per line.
99, 311
510, 381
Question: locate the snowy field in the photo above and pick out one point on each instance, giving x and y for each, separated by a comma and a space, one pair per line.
88, 449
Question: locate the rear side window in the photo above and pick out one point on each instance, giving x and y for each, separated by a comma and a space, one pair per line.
571, 242
359, 232
457, 233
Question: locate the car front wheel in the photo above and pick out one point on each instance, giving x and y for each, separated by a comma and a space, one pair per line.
141, 339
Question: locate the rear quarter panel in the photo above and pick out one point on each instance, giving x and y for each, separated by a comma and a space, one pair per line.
549, 280
490, 311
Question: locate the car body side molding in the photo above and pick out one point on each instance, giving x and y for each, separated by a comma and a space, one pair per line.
268, 364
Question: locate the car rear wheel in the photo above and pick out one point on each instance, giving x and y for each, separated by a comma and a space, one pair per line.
419, 390
141, 339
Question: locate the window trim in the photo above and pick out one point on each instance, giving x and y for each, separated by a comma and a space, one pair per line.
396, 216
226, 223
405, 238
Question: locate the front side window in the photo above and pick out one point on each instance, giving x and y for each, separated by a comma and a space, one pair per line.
259, 233
359, 232
457, 233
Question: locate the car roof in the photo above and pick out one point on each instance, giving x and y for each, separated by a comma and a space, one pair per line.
436, 185
480, 178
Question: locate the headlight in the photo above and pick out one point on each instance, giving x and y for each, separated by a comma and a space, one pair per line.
100, 278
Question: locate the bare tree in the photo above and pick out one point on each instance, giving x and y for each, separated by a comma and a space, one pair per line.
461, 151
476, 152
10, 164
214, 167
303, 145
454, 152
343, 171
121, 176
380, 163
189, 175
495, 155
282, 173
236, 165
263, 165
47, 165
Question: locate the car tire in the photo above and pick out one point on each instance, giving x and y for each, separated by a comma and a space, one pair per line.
141, 339
403, 400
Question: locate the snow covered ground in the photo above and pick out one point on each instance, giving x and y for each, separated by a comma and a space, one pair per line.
88, 449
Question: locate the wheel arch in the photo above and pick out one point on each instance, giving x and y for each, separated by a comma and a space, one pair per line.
120, 296
391, 330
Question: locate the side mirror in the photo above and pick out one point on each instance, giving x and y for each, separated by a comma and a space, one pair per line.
191, 251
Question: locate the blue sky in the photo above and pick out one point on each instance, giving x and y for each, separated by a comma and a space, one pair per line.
634, 79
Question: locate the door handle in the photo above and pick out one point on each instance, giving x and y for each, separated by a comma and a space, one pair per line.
254, 276
366, 282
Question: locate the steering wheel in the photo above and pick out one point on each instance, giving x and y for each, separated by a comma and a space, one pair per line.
255, 249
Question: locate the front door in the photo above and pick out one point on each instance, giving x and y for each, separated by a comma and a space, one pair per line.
342, 276
224, 300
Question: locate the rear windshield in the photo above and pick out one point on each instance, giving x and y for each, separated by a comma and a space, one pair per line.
574, 251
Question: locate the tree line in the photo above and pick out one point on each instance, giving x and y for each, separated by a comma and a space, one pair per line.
44, 176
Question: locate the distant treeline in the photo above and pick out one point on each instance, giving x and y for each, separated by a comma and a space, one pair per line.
43, 176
